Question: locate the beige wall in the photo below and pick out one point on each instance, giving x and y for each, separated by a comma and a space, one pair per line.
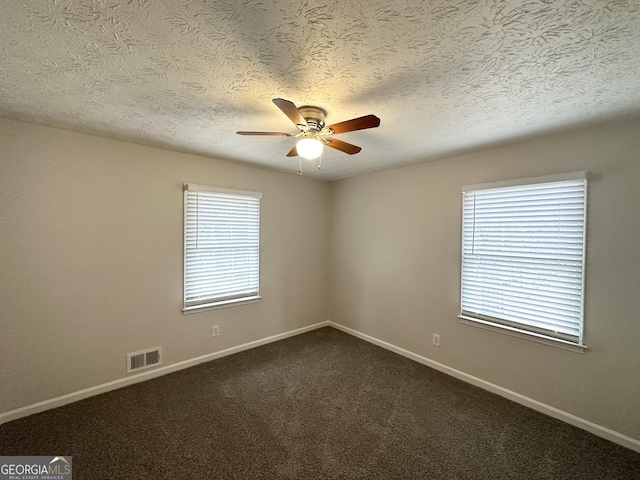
91, 264
91, 259
396, 271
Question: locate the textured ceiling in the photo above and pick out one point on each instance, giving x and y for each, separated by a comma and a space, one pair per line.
443, 76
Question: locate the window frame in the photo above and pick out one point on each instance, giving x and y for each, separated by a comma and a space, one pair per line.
515, 328
222, 302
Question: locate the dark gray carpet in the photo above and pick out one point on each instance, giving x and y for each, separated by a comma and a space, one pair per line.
323, 405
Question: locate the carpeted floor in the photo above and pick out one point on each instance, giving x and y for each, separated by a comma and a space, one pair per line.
323, 405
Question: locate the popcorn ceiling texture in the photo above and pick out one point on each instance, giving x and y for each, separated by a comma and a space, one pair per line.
444, 76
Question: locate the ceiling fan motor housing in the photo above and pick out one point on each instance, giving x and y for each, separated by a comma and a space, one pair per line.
315, 117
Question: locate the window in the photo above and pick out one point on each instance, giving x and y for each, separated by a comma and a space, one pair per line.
221, 246
523, 249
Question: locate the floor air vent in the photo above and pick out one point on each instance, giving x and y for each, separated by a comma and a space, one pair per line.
143, 359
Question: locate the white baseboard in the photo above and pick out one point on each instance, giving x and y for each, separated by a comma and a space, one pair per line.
566, 417
148, 375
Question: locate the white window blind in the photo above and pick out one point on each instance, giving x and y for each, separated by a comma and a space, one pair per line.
221, 246
523, 251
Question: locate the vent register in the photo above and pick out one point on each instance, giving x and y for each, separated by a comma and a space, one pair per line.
144, 359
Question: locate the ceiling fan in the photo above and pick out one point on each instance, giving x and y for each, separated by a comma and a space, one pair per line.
310, 121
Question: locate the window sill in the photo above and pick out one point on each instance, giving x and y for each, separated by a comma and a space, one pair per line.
225, 304
524, 335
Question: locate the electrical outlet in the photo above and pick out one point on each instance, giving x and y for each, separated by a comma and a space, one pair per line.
215, 330
436, 339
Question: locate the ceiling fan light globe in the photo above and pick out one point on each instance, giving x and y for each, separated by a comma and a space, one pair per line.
309, 148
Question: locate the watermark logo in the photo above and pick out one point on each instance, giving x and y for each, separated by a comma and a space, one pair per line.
36, 468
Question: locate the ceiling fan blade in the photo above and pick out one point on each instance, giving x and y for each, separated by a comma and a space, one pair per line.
273, 134
343, 146
293, 152
360, 123
290, 110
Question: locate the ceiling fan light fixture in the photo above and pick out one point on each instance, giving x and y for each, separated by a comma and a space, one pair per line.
309, 148
310, 122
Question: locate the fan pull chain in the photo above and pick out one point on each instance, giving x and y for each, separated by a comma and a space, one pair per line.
300, 167
320, 163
